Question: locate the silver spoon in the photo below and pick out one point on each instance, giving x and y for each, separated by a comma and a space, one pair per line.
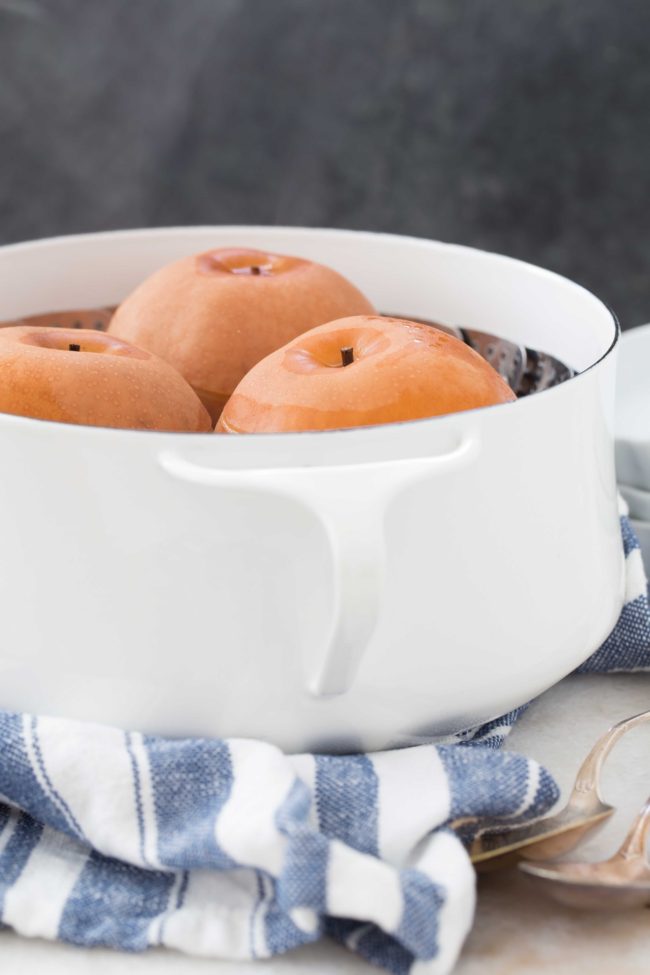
553, 836
619, 883
525, 370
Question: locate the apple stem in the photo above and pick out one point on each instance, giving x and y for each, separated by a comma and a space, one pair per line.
73, 347
347, 355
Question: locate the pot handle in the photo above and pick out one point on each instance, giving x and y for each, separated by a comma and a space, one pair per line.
351, 503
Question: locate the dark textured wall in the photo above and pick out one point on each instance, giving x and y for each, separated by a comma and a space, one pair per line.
517, 125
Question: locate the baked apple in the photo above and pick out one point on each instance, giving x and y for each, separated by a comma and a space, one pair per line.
359, 371
85, 376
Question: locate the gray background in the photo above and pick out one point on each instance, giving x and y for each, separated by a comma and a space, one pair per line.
516, 125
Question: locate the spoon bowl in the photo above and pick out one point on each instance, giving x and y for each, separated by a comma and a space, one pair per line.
620, 883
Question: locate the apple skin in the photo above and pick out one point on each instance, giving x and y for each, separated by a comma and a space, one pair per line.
213, 316
87, 377
400, 370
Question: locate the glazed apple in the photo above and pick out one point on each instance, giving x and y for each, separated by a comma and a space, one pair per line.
85, 376
213, 316
360, 371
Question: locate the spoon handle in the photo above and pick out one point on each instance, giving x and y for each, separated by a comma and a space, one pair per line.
587, 782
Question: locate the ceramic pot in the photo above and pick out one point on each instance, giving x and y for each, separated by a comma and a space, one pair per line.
351, 589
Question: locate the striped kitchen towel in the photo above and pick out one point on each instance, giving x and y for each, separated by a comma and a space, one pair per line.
232, 849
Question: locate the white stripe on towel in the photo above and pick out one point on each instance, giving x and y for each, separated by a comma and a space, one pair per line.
215, 918
413, 799
362, 887
157, 926
87, 779
246, 827
305, 768
444, 859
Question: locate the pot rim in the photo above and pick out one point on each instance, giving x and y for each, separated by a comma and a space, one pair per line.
257, 438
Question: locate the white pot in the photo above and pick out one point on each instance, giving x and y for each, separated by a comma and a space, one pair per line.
340, 590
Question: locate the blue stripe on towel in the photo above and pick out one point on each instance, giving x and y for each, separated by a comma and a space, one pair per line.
341, 929
492, 734
189, 778
18, 779
628, 645
418, 928
484, 782
630, 541
13, 859
113, 904
346, 800
371, 943
182, 890
547, 795
282, 934
383, 950
304, 880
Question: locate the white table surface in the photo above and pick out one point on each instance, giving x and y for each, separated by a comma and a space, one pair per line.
516, 932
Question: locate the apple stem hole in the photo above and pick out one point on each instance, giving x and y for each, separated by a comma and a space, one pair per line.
255, 269
73, 347
347, 355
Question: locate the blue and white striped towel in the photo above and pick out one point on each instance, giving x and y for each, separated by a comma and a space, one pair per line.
232, 849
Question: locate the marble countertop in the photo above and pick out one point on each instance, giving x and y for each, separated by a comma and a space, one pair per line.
516, 932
